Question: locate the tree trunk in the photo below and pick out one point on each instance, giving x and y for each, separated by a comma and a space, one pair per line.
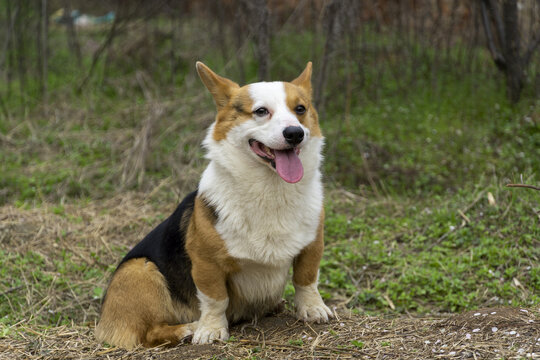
259, 25
20, 47
333, 30
514, 69
505, 48
263, 41
44, 50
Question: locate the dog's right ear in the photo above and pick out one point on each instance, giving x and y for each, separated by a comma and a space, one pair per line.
221, 88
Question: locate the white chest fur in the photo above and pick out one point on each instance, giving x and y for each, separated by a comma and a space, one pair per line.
268, 222
260, 283
262, 218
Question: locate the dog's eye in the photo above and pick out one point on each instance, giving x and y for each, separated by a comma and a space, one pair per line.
262, 111
300, 109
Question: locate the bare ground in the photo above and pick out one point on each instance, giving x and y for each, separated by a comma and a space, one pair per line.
509, 333
93, 232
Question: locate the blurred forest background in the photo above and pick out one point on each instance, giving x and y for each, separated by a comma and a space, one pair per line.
93, 63
429, 109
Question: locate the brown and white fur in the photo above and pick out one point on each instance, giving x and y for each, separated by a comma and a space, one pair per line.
225, 254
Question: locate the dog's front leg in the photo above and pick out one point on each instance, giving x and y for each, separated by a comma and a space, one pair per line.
309, 304
212, 293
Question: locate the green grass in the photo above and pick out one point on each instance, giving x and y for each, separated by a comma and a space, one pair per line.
422, 255
408, 168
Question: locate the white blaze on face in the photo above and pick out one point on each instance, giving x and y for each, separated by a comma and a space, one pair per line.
269, 131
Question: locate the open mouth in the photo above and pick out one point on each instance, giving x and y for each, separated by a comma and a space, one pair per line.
286, 161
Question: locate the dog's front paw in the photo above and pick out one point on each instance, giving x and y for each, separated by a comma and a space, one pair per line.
319, 313
208, 334
310, 306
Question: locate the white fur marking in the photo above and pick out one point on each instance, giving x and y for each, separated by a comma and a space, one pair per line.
272, 96
260, 216
258, 282
309, 304
213, 322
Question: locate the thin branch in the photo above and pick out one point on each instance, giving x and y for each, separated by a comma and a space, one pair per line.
121, 19
73, 42
524, 186
99, 52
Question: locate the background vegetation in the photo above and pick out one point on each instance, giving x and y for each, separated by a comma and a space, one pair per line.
100, 132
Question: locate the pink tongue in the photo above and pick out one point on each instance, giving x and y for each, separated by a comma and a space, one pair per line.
288, 165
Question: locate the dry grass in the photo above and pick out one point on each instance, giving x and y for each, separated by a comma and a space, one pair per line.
503, 333
96, 234
78, 246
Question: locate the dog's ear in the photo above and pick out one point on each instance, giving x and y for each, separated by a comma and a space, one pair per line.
220, 87
304, 80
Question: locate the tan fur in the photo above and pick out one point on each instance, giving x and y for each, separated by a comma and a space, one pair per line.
221, 88
233, 103
306, 264
138, 308
167, 334
304, 79
211, 263
233, 114
297, 95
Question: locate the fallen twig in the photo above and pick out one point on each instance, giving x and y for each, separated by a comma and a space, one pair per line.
524, 186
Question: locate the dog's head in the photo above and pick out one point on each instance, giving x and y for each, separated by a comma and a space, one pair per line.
265, 123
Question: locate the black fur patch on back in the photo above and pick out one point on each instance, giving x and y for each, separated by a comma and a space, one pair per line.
165, 247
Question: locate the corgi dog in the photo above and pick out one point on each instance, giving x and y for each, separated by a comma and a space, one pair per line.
224, 254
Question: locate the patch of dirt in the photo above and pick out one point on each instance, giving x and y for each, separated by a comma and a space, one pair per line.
462, 336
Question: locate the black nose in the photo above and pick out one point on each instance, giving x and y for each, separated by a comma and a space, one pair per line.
293, 134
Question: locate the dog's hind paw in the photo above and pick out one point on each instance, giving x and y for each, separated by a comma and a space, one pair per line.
207, 335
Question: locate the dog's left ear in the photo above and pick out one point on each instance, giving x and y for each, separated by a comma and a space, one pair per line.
304, 80
221, 88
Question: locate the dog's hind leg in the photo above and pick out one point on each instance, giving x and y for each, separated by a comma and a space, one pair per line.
170, 334
138, 308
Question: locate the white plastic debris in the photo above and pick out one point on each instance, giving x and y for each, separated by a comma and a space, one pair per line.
476, 330
494, 329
